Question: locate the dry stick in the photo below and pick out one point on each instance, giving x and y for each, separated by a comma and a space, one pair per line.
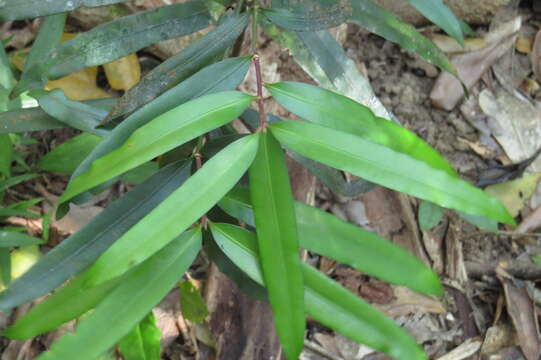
259, 80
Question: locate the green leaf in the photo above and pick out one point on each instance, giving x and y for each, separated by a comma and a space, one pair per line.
429, 215
388, 168
181, 209
192, 304
12, 238
194, 57
384, 23
66, 157
16, 180
125, 36
35, 70
325, 300
82, 248
333, 110
222, 76
7, 80
164, 133
127, 304
271, 195
437, 12
480, 221
140, 173
327, 235
26, 9
6, 155
311, 19
5, 266
143, 341
35, 119
75, 114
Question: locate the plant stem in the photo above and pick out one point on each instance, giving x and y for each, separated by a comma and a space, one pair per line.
253, 44
259, 80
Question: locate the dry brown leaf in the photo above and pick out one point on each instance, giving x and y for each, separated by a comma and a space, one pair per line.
449, 45
531, 222
407, 302
536, 56
463, 351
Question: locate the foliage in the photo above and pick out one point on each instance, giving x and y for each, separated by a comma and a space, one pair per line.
172, 132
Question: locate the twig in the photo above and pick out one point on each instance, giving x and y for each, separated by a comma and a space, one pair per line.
262, 115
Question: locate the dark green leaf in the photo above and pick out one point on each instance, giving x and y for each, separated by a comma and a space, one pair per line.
325, 300
181, 209
384, 23
7, 80
222, 76
126, 35
141, 173
143, 341
177, 68
16, 180
388, 168
192, 304
35, 71
310, 19
26, 9
341, 113
75, 114
272, 198
329, 236
6, 212
480, 221
12, 238
164, 133
127, 304
429, 215
66, 157
85, 246
6, 155
437, 12
5, 266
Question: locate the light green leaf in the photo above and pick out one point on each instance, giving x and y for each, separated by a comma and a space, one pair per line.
336, 111
164, 133
82, 248
325, 300
429, 215
16, 180
181, 209
222, 76
329, 236
271, 195
437, 12
384, 23
192, 304
35, 71
194, 57
125, 36
127, 304
13, 238
26, 9
143, 341
388, 168
66, 157
7, 80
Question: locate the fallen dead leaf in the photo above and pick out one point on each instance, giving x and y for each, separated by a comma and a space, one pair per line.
514, 194
497, 337
536, 56
407, 302
123, 73
531, 222
463, 351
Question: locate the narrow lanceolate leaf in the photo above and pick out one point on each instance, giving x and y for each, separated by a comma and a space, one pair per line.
325, 300
82, 248
162, 134
75, 114
13, 238
127, 304
181, 209
66, 157
271, 195
26, 9
126, 35
222, 76
386, 24
48, 37
5, 266
143, 341
388, 168
437, 12
7, 80
6, 155
341, 113
16, 180
197, 55
311, 19
329, 236
35, 119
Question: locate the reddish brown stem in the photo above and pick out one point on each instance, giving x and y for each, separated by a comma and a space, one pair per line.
259, 80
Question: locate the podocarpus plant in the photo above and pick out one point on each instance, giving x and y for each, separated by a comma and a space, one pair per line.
117, 267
